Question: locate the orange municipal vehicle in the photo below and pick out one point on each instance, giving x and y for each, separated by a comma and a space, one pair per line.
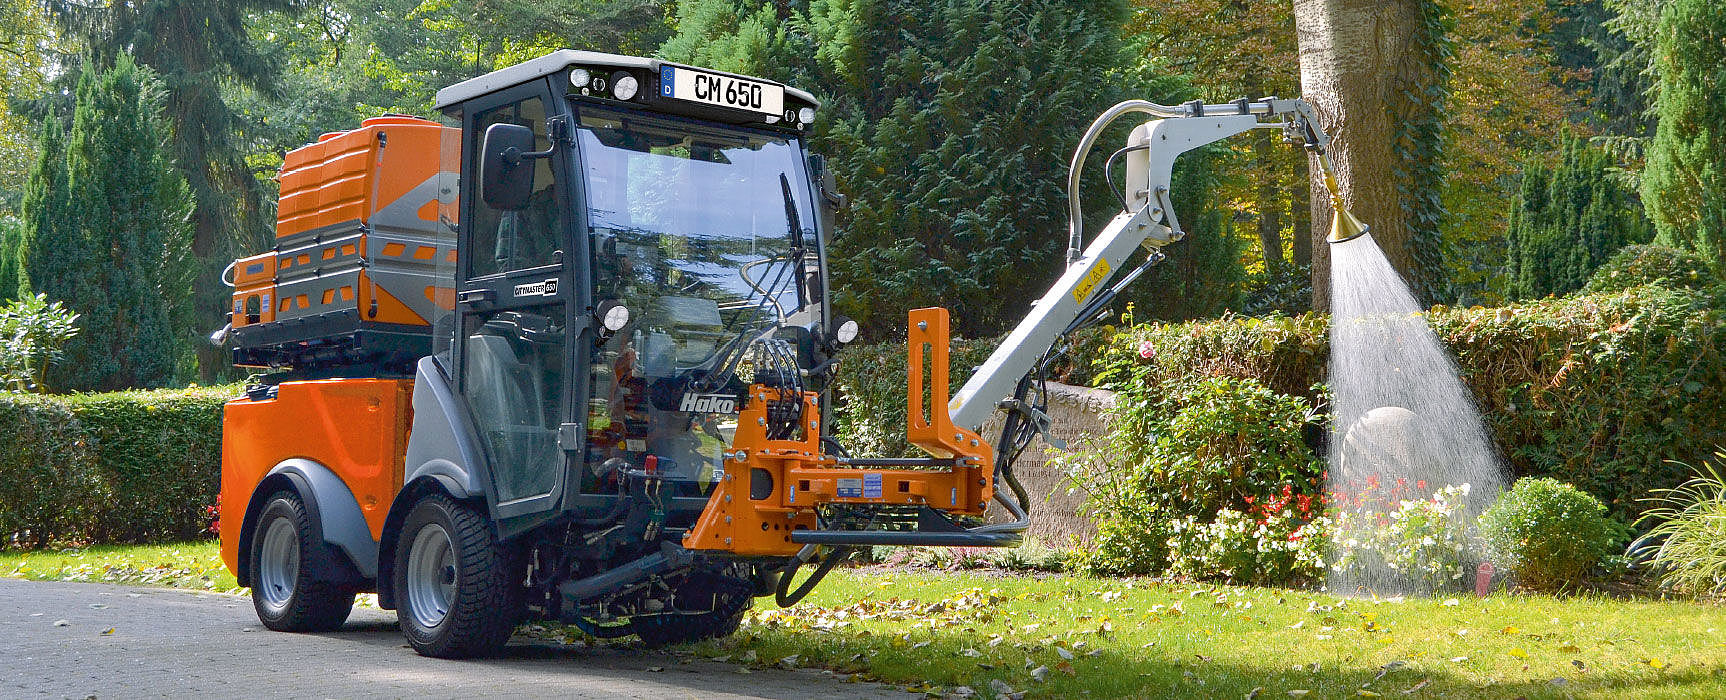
566, 353
562, 354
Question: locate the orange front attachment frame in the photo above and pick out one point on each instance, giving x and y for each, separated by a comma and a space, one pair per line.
771, 487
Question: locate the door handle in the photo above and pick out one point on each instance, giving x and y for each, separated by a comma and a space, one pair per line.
475, 296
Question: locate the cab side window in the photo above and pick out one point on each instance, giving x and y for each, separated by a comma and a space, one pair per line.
503, 241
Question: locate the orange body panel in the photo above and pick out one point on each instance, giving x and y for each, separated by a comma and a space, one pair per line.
357, 428
345, 176
803, 478
254, 290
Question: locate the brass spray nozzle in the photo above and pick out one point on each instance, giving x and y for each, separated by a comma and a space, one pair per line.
1343, 225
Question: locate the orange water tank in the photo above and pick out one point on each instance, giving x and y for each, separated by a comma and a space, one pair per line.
365, 244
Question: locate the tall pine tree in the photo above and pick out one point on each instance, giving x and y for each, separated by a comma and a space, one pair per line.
1567, 221
107, 233
195, 47
1684, 184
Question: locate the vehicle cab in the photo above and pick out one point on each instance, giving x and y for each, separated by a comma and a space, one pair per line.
629, 226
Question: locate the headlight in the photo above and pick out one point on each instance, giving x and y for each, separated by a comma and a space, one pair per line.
845, 332
613, 316
580, 77
624, 86
806, 115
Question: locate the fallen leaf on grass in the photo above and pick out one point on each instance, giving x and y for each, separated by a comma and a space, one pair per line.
1416, 687
1656, 664
1066, 668
1363, 692
1570, 649
1451, 602
1040, 674
1062, 651
1518, 653
1298, 693
968, 651
1510, 629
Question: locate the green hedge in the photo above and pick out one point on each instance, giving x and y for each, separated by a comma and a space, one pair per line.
127, 467
1598, 390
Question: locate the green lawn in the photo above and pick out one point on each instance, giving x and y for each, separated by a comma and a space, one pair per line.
187, 565
1139, 638
937, 632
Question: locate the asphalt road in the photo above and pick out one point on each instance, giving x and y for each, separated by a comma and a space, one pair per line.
55, 642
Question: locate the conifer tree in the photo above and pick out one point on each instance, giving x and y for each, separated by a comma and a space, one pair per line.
1567, 221
107, 234
1684, 184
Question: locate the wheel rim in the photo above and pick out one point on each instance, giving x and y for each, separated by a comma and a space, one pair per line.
431, 576
278, 564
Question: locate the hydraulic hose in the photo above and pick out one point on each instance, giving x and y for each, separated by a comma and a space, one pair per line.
785, 597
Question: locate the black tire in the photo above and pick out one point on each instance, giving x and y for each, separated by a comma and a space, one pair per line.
286, 552
463, 596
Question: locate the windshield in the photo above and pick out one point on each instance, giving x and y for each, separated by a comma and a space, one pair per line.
696, 217
694, 229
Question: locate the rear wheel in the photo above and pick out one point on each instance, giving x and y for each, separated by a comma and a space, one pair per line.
458, 591
286, 554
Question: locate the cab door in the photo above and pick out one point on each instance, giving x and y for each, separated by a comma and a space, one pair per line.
514, 316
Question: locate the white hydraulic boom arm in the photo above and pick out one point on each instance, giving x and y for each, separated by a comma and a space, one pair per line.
1149, 221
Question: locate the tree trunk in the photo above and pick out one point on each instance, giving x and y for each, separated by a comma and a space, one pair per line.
1355, 61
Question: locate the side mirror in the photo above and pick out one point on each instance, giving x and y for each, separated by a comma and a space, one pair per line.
505, 167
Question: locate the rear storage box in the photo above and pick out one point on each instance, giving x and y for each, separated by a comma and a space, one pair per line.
365, 250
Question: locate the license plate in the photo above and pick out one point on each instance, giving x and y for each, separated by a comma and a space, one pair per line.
721, 90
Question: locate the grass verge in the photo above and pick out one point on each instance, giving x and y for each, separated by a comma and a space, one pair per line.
946, 634
1063, 636
195, 565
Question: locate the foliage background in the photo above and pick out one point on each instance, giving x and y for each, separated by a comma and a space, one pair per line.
113, 468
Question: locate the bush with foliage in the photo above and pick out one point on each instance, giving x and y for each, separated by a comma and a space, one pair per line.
1594, 390
1549, 533
1212, 481
1426, 542
126, 467
1221, 443
1258, 547
1637, 265
32, 334
1686, 545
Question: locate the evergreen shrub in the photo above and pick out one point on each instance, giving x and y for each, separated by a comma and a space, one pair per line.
117, 468
1637, 265
1549, 533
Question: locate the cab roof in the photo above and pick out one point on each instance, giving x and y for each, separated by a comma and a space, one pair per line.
559, 60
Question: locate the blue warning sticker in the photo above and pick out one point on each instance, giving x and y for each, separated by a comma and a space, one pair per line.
872, 485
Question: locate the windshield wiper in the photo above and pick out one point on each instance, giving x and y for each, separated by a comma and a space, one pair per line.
793, 222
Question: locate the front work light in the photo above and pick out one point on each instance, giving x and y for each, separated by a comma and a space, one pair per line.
624, 86
580, 77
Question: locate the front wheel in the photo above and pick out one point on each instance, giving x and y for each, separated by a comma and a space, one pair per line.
285, 553
458, 591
